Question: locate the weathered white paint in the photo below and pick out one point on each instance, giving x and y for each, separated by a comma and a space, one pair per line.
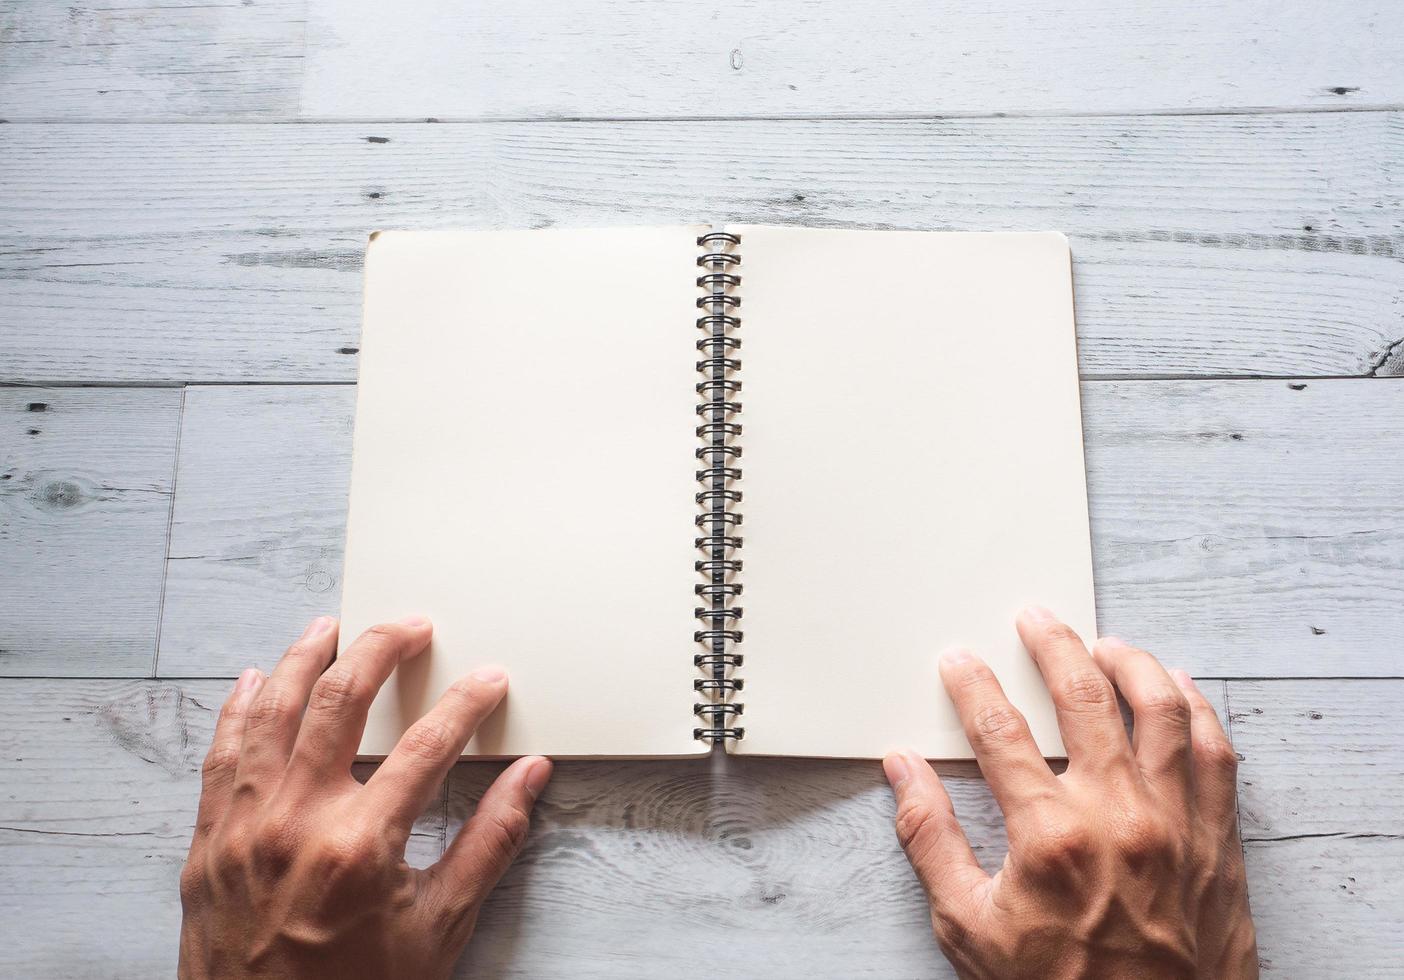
1240, 528
1204, 246
85, 498
316, 59
633, 868
1207, 245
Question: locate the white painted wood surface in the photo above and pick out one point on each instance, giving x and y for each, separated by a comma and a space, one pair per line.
86, 477
1231, 216
370, 60
258, 526
1240, 528
1204, 246
101, 779
314, 59
1319, 804
795, 860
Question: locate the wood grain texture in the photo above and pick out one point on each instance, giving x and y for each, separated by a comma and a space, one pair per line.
101, 782
1249, 528
1240, 528
1328, 907
1345, 743
286, 59
124, 59
857, 57
795, 858
85, 497
1204, 246
1319, 803
271, 490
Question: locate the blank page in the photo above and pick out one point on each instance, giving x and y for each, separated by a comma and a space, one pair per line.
913, 477
522, 475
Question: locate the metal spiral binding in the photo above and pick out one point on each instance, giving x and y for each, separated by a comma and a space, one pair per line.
717, 521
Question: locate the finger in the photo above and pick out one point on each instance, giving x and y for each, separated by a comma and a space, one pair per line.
931, 836
341, 698
413, 772
1215, 761
482, 851
1160, 712
1088, 718
998, 733
274, 716
221, 762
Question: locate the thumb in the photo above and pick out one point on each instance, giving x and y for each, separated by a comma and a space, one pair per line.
485, 847
929, 833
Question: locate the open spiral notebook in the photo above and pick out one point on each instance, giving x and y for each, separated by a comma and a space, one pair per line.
698, 485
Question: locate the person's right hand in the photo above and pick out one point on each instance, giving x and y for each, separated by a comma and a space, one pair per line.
1128, 864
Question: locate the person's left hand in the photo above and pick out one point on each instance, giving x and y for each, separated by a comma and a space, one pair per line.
296, 869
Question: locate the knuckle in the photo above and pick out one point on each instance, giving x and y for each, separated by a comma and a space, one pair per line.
1060, 846
1217, 754
467, 695
998, 724
337, 690
1085, 688
230, 856
348, 855
269, 710
275, 843
192, 882
973, 676
507, 833
219, 761
429, 740
1143, 838
302, 650
1060, 634
1167, 702
917, 824
383, 634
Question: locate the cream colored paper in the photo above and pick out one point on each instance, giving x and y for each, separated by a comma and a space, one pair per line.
523, 475
913, 477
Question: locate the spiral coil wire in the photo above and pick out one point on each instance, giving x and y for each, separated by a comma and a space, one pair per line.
717, 519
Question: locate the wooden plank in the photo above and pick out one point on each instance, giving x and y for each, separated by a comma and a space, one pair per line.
1249, 528
678, 59
1318, 754
101, 782
1328, 907
147, 59
794, 858
1240, 528
279, 491
1257, 245
1319, 804
85, 497
794, 861
314, 59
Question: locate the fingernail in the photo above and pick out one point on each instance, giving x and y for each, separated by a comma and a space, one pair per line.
248, 680
538, 776
490, 674
317, 627
956, 655
415, 621
1112, 643
1037, 614
895, 768
1184, 680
